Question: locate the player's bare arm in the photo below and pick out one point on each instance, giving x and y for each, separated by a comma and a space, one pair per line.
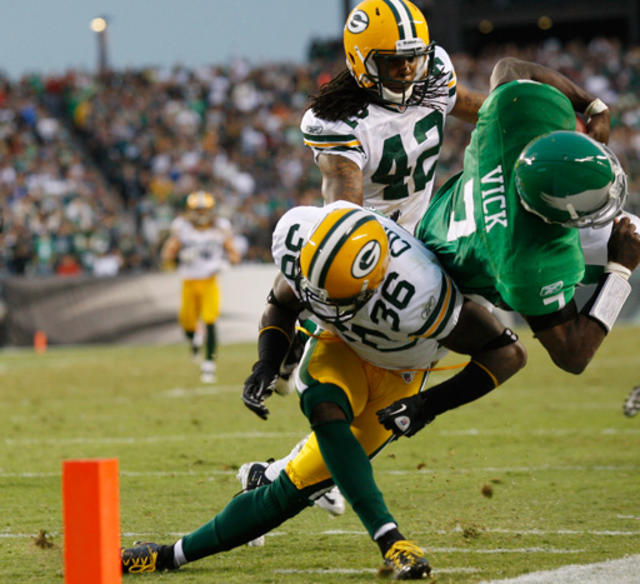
232, 252
474, 335
341, 179
468, 103
170, 250
596, 112
496, 354
572, 343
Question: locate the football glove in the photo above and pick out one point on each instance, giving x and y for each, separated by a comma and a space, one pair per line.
259, 386
632, 403
406, 416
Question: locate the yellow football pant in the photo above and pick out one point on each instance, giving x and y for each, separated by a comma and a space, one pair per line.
367, 388
200, 299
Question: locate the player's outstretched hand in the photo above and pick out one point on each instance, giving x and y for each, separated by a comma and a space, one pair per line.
624, 243
259, 386
599, 126
405, 417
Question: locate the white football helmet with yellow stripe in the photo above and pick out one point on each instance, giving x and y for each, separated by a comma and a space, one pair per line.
376, 33
342, 263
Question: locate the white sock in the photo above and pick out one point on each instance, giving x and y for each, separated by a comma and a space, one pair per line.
178, 555
386, 528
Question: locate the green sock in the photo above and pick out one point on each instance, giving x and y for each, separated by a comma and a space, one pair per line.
211, 341
245, 517
352, 472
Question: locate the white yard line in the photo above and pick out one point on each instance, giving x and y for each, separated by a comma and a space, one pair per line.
399, 472
623, 571
37, 441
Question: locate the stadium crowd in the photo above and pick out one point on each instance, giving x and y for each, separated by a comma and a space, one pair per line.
93, 168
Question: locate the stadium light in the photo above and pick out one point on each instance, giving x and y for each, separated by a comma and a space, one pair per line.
99, 25
485, 26
545, 23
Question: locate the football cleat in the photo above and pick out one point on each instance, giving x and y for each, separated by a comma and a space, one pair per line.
407, 561
146, 557
332, 501
632, 404
208, 372
251, 476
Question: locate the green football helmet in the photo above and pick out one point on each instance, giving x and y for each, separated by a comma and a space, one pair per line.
569, 178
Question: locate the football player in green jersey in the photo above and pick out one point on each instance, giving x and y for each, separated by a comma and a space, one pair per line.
507, 228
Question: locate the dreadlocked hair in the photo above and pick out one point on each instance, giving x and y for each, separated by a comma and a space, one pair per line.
342, 97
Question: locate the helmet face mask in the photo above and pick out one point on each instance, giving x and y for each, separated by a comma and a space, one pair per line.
570, 179
342, 264
379, 32
333, 311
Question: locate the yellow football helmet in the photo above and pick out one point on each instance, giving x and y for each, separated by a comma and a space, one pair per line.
376, 33
342, 263
200, 206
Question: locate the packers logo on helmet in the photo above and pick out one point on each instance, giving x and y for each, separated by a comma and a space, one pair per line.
379, 33
569, 178
342, 263
200, 206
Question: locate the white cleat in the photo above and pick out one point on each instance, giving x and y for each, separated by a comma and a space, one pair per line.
208, 372
251, 476
332, 502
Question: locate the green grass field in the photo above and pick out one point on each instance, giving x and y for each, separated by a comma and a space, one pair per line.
562, 462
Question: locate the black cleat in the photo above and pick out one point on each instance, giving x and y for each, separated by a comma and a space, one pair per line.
407, 561
251, 475
146, 557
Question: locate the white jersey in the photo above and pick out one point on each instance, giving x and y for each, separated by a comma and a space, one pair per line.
415, 305
397, 151
202, 253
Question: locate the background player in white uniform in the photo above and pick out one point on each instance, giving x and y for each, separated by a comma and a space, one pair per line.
200, 242
385, 307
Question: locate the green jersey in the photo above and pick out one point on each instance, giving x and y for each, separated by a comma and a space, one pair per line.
483, 236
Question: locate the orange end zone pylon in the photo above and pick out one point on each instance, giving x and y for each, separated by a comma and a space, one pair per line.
40, 341
91, 507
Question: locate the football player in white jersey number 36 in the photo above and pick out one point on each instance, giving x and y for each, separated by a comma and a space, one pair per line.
376, 129
386, 308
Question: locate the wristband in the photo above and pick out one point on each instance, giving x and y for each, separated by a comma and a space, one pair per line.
608, 299
619, 269
597, 106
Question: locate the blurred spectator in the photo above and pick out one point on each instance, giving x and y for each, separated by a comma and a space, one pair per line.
92, 164
68, 265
